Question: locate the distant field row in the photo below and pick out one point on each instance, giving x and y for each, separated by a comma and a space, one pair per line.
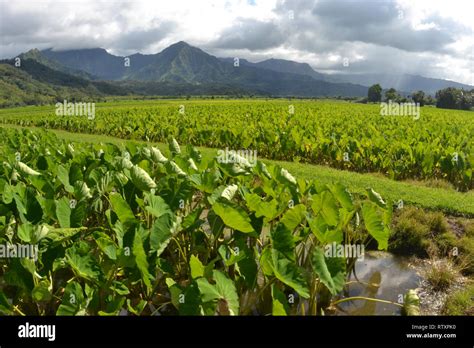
447, 200
354, 137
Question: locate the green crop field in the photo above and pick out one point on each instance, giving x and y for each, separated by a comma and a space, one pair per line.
126, 219
110, 217
438, 145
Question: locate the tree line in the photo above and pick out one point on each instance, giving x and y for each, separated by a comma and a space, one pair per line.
447, 98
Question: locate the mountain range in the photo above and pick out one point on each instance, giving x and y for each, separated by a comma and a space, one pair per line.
182, 63
184, 69
404, 83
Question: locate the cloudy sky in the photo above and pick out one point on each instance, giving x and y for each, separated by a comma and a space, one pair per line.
434, 38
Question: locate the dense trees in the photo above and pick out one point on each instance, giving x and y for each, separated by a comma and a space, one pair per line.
448, 98
419, 97
392, 95
374, 94
453, 98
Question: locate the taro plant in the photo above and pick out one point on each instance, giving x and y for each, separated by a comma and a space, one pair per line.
342, 135
129, 229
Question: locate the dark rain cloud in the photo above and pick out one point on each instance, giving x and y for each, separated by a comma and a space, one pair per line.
139, 40
381, 23
250, 34
89, 26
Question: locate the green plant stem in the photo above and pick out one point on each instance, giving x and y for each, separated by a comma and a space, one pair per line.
264, 287
180, 250
159, 307
19, 311
366, 299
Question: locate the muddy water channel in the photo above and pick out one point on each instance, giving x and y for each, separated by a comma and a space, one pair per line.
380, 275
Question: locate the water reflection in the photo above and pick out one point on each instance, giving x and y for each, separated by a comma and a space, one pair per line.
383, 276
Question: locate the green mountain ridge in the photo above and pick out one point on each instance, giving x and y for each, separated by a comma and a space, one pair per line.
182, 69
33, 83
182, 63
38, 56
